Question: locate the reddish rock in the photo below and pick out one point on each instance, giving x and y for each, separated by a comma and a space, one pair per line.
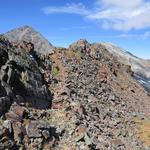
27, 46
13, 117
18, 110
57, 106
117, 142
81, 129
16, 113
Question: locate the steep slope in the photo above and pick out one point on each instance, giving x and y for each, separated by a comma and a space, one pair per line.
20, 75
94, 103
100, 98
140, 66
27, 33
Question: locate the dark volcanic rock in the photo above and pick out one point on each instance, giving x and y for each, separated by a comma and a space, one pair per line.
34, 129
20, 75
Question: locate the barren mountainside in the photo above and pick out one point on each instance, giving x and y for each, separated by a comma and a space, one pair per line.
140, 67
76, 98
27, 33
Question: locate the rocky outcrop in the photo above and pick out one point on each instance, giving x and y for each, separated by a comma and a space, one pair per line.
19, 131
27, 33
20, 77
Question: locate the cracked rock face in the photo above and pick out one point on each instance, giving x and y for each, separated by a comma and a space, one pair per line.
20, 75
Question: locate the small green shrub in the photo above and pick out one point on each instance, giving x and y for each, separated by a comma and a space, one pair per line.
55, 71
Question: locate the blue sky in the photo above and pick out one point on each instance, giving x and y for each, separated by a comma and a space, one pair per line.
125, 23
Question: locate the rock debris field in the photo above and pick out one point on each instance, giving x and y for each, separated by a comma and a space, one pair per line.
79, 98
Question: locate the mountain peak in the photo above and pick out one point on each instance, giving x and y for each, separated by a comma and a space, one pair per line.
29, 34
82, 41
27, 27
80, 45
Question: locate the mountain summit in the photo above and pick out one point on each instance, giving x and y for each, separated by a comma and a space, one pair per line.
27, 33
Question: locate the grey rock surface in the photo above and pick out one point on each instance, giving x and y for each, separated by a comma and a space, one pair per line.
139, 66
27, 33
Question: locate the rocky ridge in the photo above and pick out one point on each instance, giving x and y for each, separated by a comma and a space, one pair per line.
140, 67
91, 100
